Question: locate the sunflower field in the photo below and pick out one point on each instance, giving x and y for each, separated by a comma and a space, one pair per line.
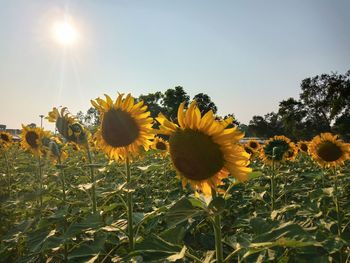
143, 189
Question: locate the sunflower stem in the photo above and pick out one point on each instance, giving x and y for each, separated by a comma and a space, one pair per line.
130, 205
40, 184
218, 241
336, 201
218, 236
63, 180
273, 179
337, 209
8, 172
92, 177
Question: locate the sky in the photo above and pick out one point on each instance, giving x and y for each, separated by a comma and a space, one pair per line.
247, 55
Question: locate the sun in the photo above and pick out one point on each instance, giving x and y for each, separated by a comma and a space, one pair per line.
65, 33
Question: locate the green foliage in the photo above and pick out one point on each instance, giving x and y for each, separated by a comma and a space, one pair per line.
170, 223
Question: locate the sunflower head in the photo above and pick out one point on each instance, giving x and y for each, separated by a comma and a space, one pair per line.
126, 127
303, 146
68, 126
249, 150
291, 153
328, 150
62, 120
78, 134
5, 139
57, 151
203, 150
34, 139
160, 145
253, 144
277, 149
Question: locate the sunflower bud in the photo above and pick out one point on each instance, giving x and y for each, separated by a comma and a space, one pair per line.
54, 149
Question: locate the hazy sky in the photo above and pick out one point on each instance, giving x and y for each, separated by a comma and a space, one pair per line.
246, 55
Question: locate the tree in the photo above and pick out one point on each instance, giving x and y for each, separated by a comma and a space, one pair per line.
259, 127
342, 126
205, 103
323, 106
92, 117
90, 120
172, 100
266, 126
326, 97
153, 102
292, 114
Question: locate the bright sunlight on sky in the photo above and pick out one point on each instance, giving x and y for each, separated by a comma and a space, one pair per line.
246, 55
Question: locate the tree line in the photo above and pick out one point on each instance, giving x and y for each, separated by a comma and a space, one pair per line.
323, 106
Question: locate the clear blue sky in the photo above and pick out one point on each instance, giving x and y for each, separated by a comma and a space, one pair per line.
246, 55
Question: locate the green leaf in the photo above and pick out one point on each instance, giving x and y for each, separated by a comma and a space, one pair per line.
217, 205
182, 211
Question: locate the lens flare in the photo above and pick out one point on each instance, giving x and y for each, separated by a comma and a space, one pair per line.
65, 33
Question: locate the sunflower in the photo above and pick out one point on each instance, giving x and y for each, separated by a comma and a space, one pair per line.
202, 150
291, 153
284, 150
303, 146
62, 119
68, 126
160, 145
328, 150
254, 145
125, 128
33, 139
57, 150
5, 139
249, 150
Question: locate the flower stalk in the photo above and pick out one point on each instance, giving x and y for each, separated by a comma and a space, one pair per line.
40, 184
64, 198
129, 205
92, 178
218, 239
8, 173
273, 179
218, 235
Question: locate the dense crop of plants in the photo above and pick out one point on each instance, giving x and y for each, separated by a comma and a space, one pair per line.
81, 197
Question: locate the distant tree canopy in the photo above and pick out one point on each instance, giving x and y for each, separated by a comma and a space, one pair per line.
158, 102
323, 106
169, 102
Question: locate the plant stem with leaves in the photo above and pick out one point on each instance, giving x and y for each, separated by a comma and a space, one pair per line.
8, 172
129, 205
336, 201
273, 179
40, 184
218, 235
92, 178
64, 198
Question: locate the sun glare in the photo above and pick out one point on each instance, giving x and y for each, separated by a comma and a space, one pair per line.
65, 33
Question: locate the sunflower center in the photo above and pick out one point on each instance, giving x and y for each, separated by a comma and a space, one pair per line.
31, 139
161, 146
253, 145
281, 148
303, 147
195, 155
329, 151
290, 154
5, 137
248, 150
119, 129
